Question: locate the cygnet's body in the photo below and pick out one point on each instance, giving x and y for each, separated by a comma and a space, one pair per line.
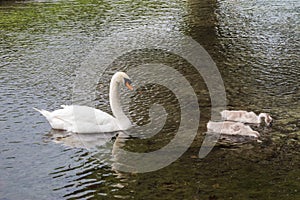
231, 128
246, 117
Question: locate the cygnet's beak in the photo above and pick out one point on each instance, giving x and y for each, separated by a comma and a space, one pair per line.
270, 124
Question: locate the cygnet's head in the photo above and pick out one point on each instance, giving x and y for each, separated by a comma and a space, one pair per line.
268, 118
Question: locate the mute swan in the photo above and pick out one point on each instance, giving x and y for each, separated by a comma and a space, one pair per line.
246, 117
231, 128
83, 119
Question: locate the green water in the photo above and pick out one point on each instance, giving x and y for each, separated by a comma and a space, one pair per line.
255, 45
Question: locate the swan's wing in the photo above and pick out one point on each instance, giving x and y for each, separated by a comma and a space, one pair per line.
81, 119
103, 117
83, 114
87, 127
85, 119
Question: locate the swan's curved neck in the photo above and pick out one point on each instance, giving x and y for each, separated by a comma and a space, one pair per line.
115, 104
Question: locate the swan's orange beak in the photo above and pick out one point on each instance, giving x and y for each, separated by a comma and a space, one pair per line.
129, 86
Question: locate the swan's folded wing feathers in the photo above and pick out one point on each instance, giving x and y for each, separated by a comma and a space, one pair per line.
75, 113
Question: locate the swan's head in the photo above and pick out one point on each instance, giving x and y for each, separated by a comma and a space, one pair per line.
122, 78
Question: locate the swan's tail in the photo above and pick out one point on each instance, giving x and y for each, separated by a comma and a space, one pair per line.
46, 113
55, 121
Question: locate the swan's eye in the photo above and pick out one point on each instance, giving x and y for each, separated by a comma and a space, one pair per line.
127, 83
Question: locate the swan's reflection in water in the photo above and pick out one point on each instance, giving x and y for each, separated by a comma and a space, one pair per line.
92, 169
89, 169
102, 146
89, 141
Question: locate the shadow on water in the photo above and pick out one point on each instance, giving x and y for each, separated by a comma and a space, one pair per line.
255, 46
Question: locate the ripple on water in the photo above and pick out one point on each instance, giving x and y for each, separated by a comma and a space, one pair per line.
255, 46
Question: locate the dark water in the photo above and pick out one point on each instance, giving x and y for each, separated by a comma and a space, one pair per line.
255, 45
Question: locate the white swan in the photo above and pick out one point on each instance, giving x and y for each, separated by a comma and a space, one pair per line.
246, 117
83, 119
231, 128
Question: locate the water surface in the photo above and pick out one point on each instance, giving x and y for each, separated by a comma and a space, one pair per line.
255, 45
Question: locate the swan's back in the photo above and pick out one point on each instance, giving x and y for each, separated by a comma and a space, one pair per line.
80, 119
